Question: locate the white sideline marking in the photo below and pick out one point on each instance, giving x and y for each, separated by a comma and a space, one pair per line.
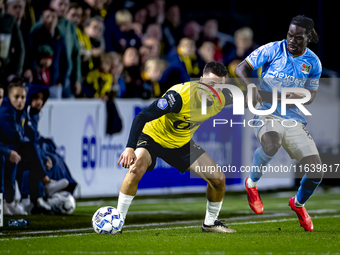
153, 224
141, 201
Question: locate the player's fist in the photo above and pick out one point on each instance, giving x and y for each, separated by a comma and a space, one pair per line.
14, 157
255, 96
127, 158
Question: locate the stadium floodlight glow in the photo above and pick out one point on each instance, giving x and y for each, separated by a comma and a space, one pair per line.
238, 100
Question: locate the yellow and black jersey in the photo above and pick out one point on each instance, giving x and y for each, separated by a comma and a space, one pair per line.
172, 119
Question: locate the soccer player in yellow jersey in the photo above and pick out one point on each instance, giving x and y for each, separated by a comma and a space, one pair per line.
165, 129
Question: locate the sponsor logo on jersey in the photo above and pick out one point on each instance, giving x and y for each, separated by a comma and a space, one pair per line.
306, 68
162, 103
172, 100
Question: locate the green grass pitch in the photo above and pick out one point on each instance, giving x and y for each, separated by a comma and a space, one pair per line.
172, 225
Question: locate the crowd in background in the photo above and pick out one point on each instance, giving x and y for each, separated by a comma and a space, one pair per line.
108, 48
90, 49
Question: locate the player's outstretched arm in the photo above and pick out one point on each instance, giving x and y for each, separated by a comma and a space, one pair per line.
128, 157
241, 72
170, 102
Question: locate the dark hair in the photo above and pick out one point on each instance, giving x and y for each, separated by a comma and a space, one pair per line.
308, 24
74, 5
15, 83
97, 18
216, 68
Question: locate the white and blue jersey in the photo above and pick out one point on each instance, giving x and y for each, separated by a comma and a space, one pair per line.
281, 69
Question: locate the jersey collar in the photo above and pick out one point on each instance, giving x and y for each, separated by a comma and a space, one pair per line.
298, 55
290, 54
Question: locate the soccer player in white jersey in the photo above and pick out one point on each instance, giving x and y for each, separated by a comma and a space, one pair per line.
285, 64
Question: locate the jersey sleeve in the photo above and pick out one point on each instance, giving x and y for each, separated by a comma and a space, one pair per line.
262, 55
170, 102
228, 96
312, 83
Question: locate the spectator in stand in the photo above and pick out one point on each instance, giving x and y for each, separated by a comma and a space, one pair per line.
97, 7
68, 30
129, 35
94, 28
192, 30
41, 75
244, 45
140, 16
171, 28
19, 148
160, 7
86, 13
131, 57
131, 81
183, 64
206, 53
155, 31
151, 75
152, 12
99, 81
116, 72
150, 49
12, 54
56, 168
77, 14
49, 34
111, 32
74, 13
16, 8
209, 33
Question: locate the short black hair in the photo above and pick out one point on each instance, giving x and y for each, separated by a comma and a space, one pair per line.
308, 24
216, 68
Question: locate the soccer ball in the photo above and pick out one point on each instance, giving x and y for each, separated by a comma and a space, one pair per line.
62, 202
107, 220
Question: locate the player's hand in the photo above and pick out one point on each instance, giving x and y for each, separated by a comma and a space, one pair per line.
256, 97
128, 157
49, 163
14, 157
294, 95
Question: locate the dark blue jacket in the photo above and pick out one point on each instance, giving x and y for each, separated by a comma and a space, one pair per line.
12, 132
44, 147
31, 127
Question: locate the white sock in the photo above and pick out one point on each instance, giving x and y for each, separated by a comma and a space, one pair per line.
251, 183
124, 202
213, 209
297, 203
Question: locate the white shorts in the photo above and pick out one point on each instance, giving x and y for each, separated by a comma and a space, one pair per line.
296, 140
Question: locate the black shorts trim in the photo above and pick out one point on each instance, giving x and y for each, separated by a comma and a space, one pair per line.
179, 158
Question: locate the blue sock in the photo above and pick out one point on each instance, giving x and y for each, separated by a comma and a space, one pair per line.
260, 159
307, 188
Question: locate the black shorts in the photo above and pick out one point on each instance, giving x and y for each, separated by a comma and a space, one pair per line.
180, 158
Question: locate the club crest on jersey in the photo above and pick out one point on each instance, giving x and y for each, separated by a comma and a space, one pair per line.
162, 103
306, 68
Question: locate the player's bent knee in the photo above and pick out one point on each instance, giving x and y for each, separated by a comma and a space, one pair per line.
271, 149
217, 183
137, 170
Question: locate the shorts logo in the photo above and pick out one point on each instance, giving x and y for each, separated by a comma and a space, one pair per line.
162, 103
306, 68
141, 142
